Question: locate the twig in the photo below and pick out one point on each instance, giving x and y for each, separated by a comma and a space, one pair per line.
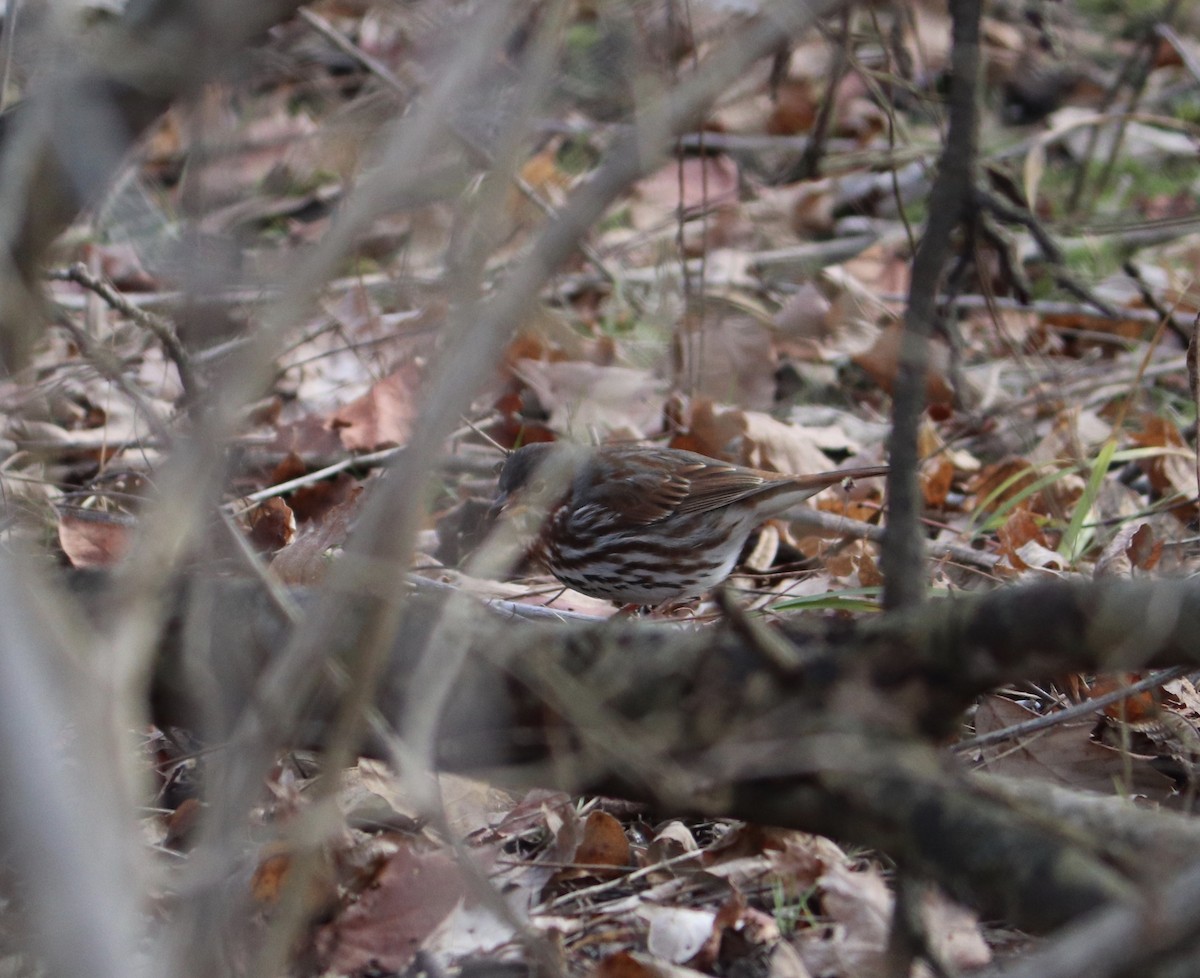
1148, 51
779, 653
949, 202
1054, 254
587, 894
859, 530
277, 593
1010, 266
1088, 706
899, 78
1044, 307
1193, 376
1167, 33
1166, 316
157, 325
282, 488
109, 367
810, 162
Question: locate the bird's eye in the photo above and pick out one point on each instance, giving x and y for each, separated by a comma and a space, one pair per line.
537, 486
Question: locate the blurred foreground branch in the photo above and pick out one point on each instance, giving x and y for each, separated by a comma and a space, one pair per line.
61, 147
705, 720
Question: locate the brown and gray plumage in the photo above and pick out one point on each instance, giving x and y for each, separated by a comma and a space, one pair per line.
648, 525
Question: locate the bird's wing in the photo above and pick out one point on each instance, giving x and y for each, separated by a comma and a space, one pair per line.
648, 486
716, 485
640, 493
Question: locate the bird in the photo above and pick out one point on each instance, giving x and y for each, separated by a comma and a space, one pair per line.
646, 526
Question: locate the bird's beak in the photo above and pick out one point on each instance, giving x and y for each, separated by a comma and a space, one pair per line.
524, 518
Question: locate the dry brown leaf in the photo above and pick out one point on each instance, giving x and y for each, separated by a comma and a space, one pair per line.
1173, 472
120, 263
1142, 707
786, 963
291, 466
939, 464
94, 539
1064, 754
1160, 734
1036, 556
1186, 695
731, 360
953, 932
1134, 545
859, 905
926, 40
540, 809
812, 210
317, 501
880, 270
272, 525
1144, 548
262, 146
841, 563
860, 117
542, 174
762, 555
795, 108
997, 483
383, 417
162, 148
1020, 529
266, 885
1075, 434
180, 825
705, 182
309, 437
673, 839
604, 842
869, 574
390, 922
752, 438
860, 501
470, 931
739, 931
792, 855
306, 559
882, 361
272, 873
677, 934
804, 315
937, 478
623, 964
471, 805
549, 334
371, 795
586, 400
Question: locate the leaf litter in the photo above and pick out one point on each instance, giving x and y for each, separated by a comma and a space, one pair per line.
729, 295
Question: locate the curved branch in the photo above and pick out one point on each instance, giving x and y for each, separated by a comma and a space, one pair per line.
839, 737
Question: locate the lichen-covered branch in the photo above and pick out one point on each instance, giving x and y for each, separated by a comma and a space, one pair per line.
843, 742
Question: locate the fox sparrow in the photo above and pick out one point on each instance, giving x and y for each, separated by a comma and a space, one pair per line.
647, 525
